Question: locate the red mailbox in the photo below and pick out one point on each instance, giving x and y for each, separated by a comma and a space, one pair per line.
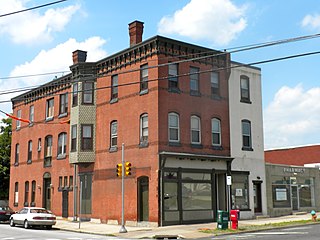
234, 217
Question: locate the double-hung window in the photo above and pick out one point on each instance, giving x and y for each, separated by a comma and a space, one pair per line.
113, 134
173, 127
215, 84
114, 87
87, 94
26, 194
62, 145
31, 114
63, 110
33, 193
17, 153
173, 76
48, 151
73, 138
16, 194
144, 129
246, 135
50, 109
74, 94
216, 132
244, 89
195, 130
29, 160
18, 121
144, 78
194, 81
87, 137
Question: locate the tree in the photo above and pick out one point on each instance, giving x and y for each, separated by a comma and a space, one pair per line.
5, 152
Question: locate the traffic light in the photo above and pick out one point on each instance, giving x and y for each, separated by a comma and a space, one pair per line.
127, 169
119, 170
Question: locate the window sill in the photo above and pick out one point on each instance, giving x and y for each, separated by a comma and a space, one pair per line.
247, 149
195, 93
62, 156
16, 164
63, 115
31, 124
15, 204
144, 144
88, 103
216, 97
196, 145
174, 144
33, 204
113, 149
29, 161
48, 119
217, 147
26, 204
144, 91
245, 101
174, 90
114, 100
18, 128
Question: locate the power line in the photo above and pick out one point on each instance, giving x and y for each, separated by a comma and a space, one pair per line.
187, 74
32, 8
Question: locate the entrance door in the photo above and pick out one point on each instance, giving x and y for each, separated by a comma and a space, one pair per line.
294, 198
143, 199
47, 193
65, 203
257, 197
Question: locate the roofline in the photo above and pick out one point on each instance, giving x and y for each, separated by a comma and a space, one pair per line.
292, 147
245, 65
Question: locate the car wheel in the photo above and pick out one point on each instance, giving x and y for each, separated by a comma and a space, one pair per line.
11, 223
26, 224
49, 227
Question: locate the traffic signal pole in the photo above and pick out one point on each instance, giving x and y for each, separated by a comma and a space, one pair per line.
123, 228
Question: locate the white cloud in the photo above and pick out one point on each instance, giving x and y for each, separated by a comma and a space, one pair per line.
32, 27
311, 21
218, 21
56, 59
292, 118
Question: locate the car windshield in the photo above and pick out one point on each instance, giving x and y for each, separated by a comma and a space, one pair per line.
39, 210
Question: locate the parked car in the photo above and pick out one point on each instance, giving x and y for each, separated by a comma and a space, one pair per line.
33, 216
5, 213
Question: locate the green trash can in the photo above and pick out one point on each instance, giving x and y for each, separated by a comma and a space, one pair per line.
222, 219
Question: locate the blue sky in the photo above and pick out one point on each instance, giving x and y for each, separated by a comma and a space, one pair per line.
42, 40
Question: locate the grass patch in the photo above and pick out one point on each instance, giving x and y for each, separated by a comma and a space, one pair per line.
249, 228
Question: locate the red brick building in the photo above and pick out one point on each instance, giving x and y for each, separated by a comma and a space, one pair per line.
165, 100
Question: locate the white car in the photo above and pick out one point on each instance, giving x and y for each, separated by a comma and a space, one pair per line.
33, 216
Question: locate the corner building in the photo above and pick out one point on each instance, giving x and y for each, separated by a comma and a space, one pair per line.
167, 103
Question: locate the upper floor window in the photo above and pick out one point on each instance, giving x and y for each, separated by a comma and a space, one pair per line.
215, 84
173, 76
216, 132
173, 127
18, 121
33, 193
73, 138
31, 114
245, 89
50, 109
48, 151
195, 130
75, 94
114, 87
144, 77
39, 144
16, 194
194, 81
113, 134
87, 94
63, 104
62, 145
17, 153
29, 160
246, 135
144, 128
87, 137
26, 194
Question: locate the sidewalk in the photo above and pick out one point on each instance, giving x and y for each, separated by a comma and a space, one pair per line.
182, 231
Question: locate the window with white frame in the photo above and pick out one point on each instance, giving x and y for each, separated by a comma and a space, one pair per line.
144, 77
173, 127
18, 121
195, 130
50, 109
216, 132
29, 160
246, 135
16, 194
144, 130
75, 94
62, 145
31, 114
63, 104
113, 134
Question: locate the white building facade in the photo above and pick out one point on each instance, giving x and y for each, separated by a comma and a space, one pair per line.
248, 189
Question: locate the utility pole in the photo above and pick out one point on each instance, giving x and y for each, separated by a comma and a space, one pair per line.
123, 228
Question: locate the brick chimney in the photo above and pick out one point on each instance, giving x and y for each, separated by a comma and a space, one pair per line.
135, 32
79, 56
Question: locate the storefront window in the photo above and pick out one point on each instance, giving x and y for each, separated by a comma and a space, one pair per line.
196, 196
239, 193
281, 196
